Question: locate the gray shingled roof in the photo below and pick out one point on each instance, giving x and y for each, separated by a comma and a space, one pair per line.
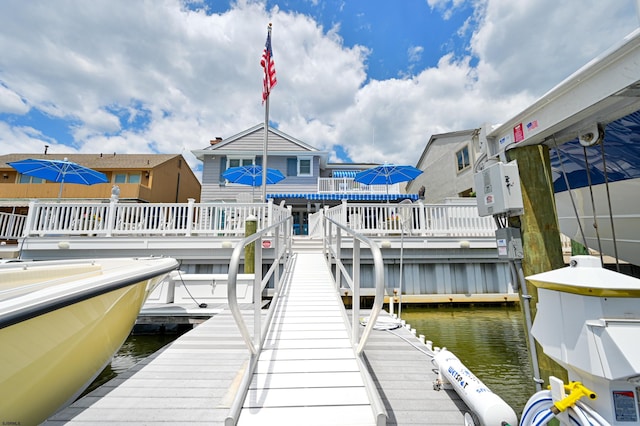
97, 161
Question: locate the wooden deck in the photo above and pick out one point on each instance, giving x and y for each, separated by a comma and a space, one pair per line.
307, 373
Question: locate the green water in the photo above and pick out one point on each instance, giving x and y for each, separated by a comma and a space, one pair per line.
490, 341
133, 350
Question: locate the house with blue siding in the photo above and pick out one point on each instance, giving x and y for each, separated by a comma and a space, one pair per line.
310, 183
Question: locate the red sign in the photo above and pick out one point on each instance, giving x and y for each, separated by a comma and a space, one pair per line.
518, 133
266, 244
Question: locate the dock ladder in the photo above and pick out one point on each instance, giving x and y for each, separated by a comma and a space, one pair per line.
306, 365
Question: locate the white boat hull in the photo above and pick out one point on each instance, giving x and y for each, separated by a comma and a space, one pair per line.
625, 202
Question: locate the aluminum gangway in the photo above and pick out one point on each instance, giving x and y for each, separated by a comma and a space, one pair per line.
307, 355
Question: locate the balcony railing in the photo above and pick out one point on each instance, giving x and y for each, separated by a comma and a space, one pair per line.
11, 225
410, 219
350, 186
113, 219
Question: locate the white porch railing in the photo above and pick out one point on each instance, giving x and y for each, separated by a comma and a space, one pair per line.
350, 186
113, 218
412, 219
11, 225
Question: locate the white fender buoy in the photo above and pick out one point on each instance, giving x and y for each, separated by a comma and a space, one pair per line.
490, 409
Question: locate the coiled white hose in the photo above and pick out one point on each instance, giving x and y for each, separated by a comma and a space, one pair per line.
537, 412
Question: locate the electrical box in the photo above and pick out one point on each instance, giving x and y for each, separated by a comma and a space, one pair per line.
509, 243
498, 190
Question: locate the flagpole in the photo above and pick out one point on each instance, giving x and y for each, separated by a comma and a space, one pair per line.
264, 148
268, 62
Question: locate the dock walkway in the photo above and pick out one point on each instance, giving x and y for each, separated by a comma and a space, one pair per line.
306, 374
307, 368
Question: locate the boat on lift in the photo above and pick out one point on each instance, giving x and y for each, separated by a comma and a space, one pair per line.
60, 324
600, 176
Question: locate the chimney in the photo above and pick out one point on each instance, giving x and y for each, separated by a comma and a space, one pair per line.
218, 139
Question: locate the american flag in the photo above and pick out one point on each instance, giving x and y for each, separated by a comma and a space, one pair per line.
269, 78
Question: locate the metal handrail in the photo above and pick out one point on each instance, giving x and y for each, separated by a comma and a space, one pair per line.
377, 405
281, 229
354, 282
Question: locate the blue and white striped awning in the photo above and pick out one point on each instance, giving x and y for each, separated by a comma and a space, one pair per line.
348, 197
345, 173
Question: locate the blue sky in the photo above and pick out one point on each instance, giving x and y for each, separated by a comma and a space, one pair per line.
369, 81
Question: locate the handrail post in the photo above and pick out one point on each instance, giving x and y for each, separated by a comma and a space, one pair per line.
257, 295
343, 212
338, 256
276, 255
355, 300
31, 214
422, 218
111, 215
190, 216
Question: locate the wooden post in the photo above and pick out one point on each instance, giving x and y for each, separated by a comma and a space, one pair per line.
540, 232
250, 227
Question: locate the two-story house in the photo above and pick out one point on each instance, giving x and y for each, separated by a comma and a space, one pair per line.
310, 183
151, 178
447, 164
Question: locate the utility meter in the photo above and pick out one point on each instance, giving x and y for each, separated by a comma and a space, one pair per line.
498, 190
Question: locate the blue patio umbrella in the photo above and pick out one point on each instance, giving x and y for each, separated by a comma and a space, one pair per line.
63, 171
252, 175
387, 174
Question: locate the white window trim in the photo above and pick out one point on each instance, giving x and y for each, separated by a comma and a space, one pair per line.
310, 158
464, 167
251, 158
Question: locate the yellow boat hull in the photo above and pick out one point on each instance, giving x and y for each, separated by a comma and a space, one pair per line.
48, 360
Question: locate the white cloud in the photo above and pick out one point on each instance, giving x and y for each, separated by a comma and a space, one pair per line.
11, 102
191, 77
415, 53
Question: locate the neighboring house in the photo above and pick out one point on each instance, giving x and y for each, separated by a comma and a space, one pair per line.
447, 165
152, 178
310, 181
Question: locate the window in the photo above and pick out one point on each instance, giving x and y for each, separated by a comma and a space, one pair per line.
462, 158
30, 179
126, 178
239, 161
304, 166
235, 162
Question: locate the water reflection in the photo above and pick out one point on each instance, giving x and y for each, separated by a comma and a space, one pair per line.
490, 341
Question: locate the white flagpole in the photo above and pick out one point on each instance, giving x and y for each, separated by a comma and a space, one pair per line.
266, 129
264, 149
